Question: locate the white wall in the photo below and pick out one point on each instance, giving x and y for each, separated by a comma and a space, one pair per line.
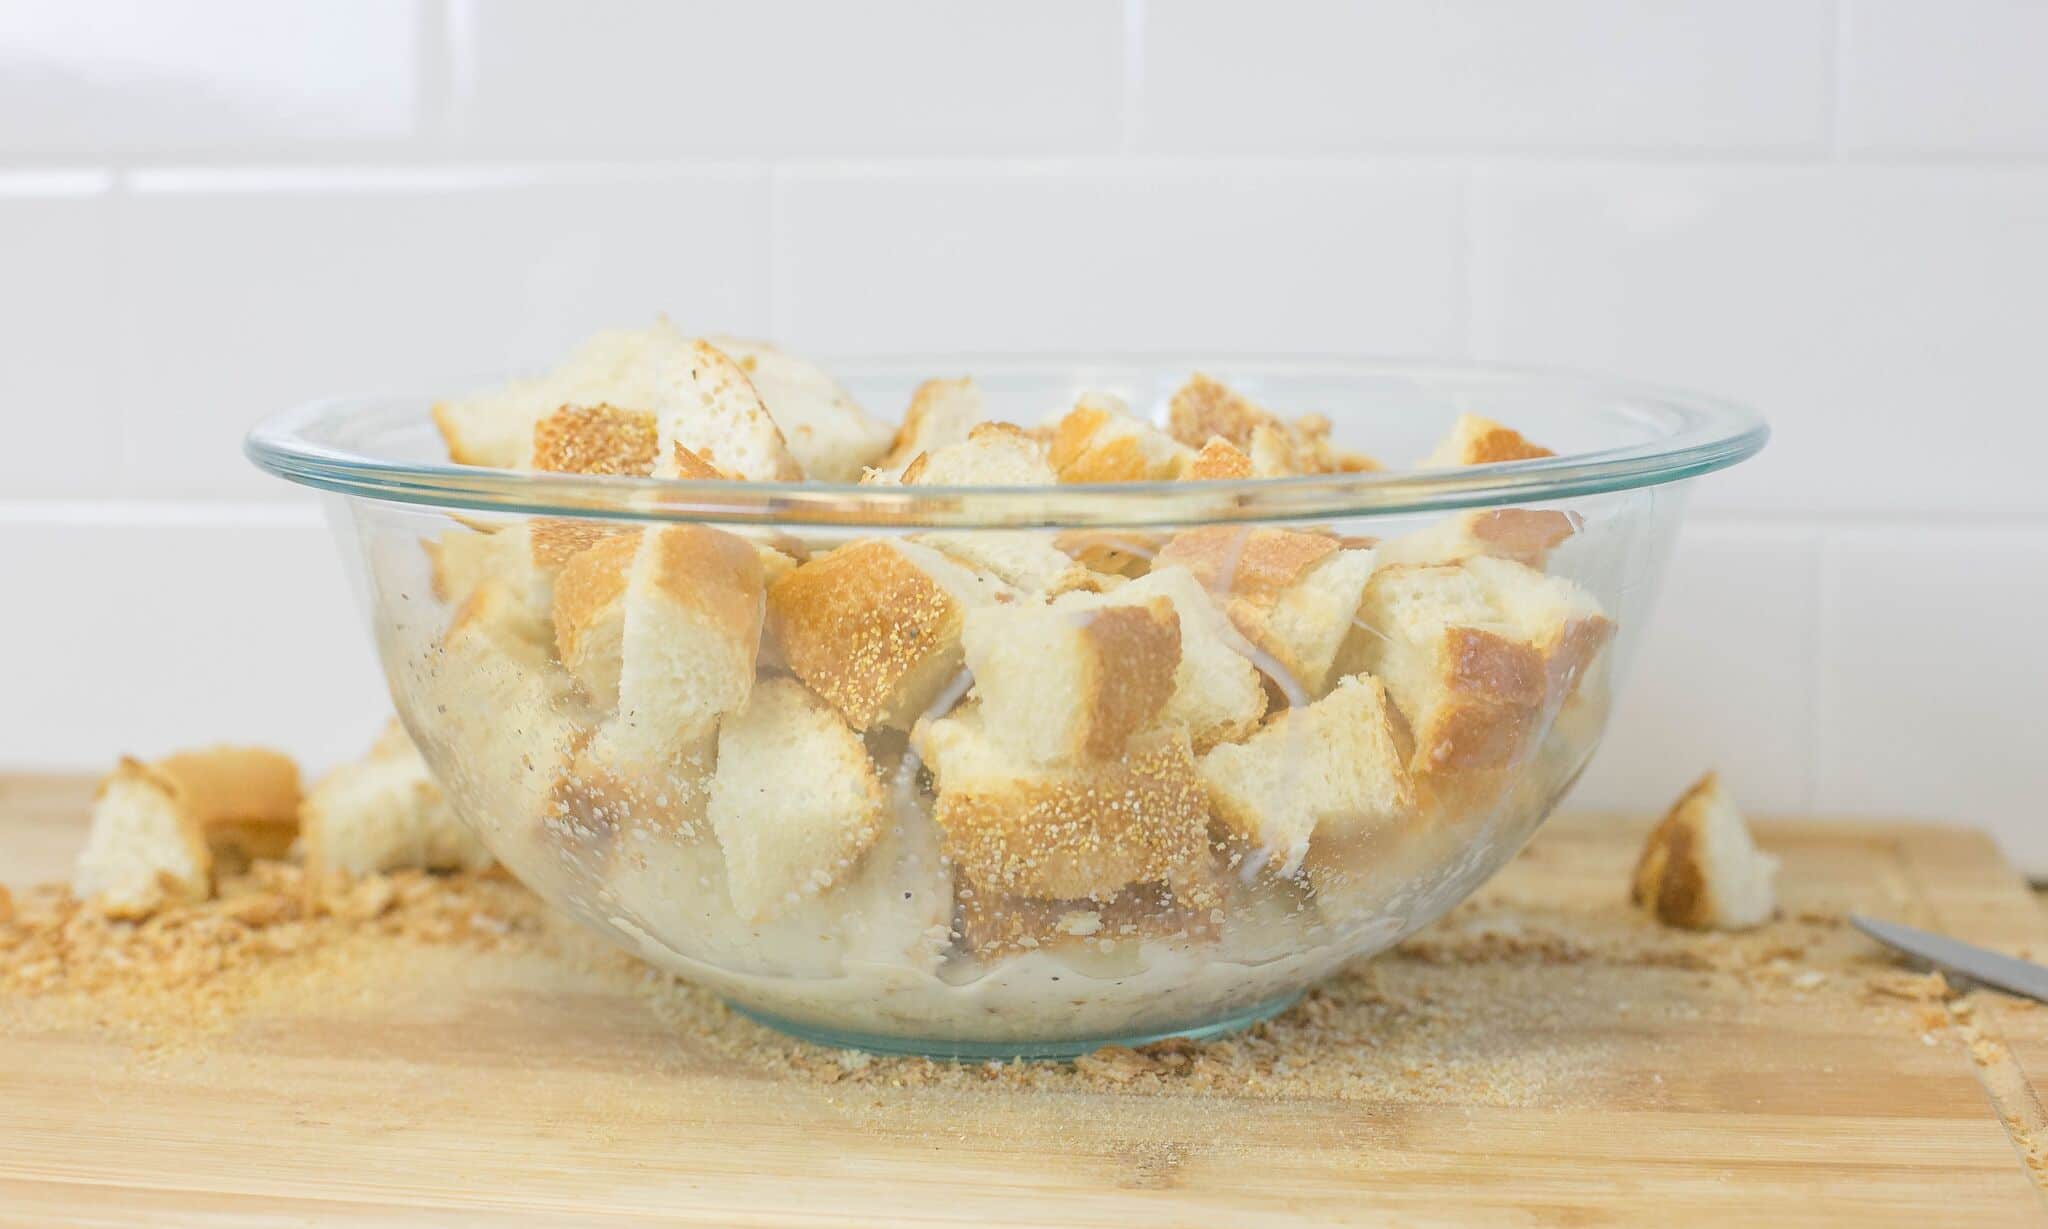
1837, 211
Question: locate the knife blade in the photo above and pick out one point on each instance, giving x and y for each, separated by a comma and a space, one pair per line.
2007, 973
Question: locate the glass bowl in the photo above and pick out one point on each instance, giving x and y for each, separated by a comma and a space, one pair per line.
1022, 771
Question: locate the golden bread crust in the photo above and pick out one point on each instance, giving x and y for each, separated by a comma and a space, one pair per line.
598, 439
857, 621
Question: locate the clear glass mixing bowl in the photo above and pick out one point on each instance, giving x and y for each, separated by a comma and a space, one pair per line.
817, 748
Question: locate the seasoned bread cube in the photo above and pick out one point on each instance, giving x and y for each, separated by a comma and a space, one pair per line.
1293, 595
1470, 687
622, 367
941, 413
1217, 460
874, 627
664, 624
157, 828
1701, 870
1525, 535
1066, 831
598, 439
993, 454
384, 812
1099, 440
710, 414
1205, 409
1330, 771
1216, 694
1481, 441
1060, 685
794, 800
827, 432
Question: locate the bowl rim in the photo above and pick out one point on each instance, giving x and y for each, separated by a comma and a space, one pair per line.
1698, 435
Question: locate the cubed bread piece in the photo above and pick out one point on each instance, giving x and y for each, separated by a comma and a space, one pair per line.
1332, 770
1060, 685
941, 413
509, 721
1100, 440
1701, 870
155, 827
1481, 441
1068, 831
597, 439
794, 800
1525, 535
993, 454
1023, 558
1217, 460
830, 436
1293, 595
681, 635
1205, 408
874, 627
622, 367
1563, 621
710, 413
384, 812
1216, 694
463, 558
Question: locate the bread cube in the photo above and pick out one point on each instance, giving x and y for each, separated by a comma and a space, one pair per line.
993, 454
1481, 441
827, 432
1060, 685
1066, 831
1525, 535
1022, 558
1099, 440
621, 368
1217, 460
709, 413
794, 800
1701, 870
157, 828
874, 627
1205, 408
1330, 771
1216, 692
1293, 595
384, 812
941, 413
598, 439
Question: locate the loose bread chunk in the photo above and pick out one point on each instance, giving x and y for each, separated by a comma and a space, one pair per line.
710, 414
1218, 460
1061, 685
1216, 693
158, 828
993, 454
1330, 771
874, 627
1293, 595
1068, 831
830, 436
1100, 440
384, 812
1701, 870
794, 800
1525, 535
941, 413
622, 367
1481, 441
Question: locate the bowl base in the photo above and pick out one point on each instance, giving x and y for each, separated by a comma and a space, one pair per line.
1059, 1049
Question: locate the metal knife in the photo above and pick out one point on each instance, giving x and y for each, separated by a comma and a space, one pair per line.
2006, 973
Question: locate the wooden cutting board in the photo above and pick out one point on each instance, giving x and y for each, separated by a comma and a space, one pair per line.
1631, 1076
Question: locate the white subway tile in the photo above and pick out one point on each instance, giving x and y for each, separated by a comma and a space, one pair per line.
810, 77
56, 358
1887, 320
1229, 257
1333, 75
1962, 76
184, 635
92, 77
1724, 678
251, 291
1933, 678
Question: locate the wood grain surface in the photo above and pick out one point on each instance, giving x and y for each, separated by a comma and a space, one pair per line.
506, 1090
